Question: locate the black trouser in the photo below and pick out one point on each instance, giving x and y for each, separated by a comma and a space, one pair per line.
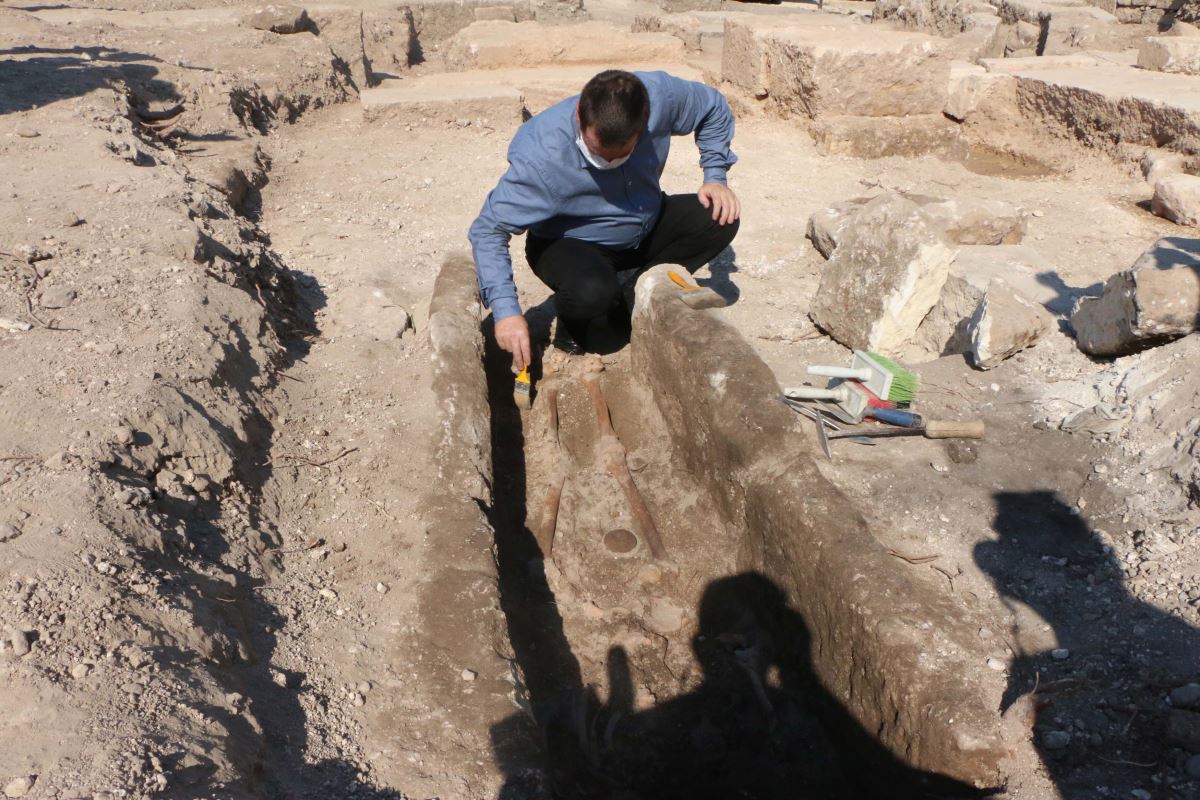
587, 292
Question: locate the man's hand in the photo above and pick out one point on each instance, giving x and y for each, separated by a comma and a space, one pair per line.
512, 334
723, 202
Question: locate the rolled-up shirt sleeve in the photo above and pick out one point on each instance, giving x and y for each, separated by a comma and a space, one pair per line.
702, 110
520, 199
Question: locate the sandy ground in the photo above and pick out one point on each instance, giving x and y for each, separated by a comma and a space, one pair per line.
250, 619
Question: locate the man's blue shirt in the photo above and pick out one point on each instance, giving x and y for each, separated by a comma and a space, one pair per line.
551, 191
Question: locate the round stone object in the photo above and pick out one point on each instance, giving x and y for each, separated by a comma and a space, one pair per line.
620, 541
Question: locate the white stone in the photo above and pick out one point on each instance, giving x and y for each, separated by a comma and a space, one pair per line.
1170, 54
1004, 324
1177, 198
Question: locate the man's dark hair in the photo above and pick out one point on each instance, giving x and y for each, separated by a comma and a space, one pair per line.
615, 105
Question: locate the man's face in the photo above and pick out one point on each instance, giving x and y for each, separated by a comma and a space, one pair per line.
607, 153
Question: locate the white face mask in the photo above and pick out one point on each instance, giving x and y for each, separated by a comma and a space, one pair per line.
599, 162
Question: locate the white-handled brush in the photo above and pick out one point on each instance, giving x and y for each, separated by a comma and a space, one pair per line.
884, 377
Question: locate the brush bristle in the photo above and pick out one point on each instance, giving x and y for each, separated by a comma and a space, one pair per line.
521, 395
905, 382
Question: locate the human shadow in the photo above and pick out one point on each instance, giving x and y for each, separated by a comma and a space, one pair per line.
759, 725
1097, 698
32, 76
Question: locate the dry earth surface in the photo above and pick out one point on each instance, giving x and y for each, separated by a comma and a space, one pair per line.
219, 434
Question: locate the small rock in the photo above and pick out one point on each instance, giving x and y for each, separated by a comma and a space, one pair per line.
962, 451
328, 594
381, 588
8, 532
1187, 696
1192, 766
20, 642
57, 297
81, 670
14, 325
280, 679
19, 787
1100, 469
1183, 730
1060, 654
468, 674
70, 219
1177, 198
123, 435
1140, 794
133, 689
1055, 740
359, 701
363, 687
996, 664
25, 132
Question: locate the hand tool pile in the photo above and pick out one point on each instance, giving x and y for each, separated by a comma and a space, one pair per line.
871, 388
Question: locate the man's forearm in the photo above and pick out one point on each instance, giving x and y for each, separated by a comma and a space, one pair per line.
493, 265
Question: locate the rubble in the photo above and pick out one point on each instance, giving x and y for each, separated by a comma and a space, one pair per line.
885, 275
1177, 198
1004, 324
1158, 299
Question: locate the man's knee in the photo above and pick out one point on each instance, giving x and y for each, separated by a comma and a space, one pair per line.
587, 295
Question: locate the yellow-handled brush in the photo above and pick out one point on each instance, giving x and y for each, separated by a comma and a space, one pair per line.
522, 394
696, 296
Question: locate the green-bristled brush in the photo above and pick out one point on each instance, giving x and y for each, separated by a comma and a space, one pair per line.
880, 374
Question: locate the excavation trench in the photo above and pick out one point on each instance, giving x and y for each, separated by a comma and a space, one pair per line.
747, 660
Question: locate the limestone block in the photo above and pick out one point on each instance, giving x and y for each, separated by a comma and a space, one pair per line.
1170, 54
969, 222
884, 277
280, 19
1110, 106
494, 44
881, 137
825, 227
691, 29
976, 267
1177, 198
1155, 301
432, 104
826, 65
1005, 323
1158, 164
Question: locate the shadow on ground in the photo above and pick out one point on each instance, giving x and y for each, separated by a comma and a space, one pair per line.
31, 77
1099, 712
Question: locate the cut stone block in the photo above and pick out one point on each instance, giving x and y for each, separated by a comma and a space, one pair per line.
494, 106
884, 277
694, 30
1177, 198
503, 13
880, 137
976, 267
1106, 106
1005, 323
496, 44
970, 222
826, 65
280, 19
1155, 301
1170, 54
825, 227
